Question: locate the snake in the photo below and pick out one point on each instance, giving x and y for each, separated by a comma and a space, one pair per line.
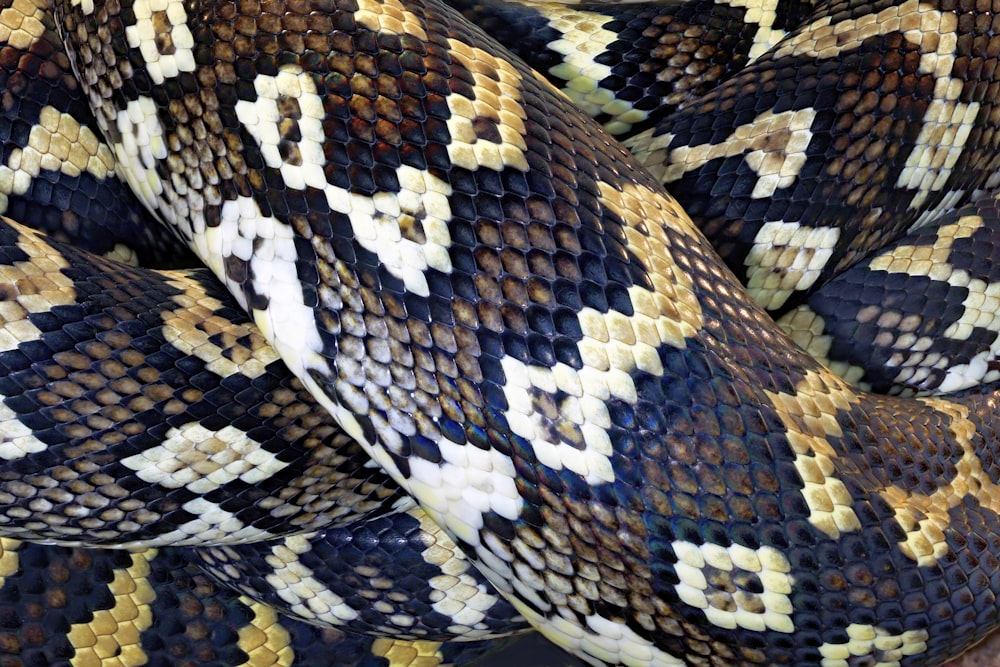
419, 250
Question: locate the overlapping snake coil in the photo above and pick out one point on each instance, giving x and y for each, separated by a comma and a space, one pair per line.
445, 310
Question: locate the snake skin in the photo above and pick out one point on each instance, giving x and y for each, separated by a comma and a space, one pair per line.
509, 314
56, 173
812, 155
921, 312
62, 606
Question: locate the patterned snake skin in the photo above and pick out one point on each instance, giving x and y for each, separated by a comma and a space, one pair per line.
507, 312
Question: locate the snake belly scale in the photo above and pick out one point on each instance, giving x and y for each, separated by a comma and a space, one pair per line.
513, 318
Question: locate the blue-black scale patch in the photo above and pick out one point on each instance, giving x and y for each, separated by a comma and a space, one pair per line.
356, 563
855, 148
197, 620
53, 589
92, 213
875, 318
96, 215
109, 345
194, 620
746, 491
663, 56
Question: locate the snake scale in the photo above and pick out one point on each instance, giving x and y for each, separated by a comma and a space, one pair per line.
448, 267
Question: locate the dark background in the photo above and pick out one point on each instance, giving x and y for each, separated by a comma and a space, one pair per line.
531, 651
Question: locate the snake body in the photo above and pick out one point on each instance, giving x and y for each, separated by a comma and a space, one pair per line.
510, 315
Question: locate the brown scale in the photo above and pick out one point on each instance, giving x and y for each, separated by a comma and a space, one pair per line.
96, 607
821, 497
874, 119
662, 57
61, 178
99, 397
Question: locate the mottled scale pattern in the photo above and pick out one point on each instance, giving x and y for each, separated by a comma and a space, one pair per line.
394, 576
56, 172
920, 316
534, 340
63, 607
868, 120
141, 407
630, 65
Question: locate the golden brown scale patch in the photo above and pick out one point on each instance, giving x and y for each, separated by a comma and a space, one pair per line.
10, 563
825, 39
925, 517
59, 143
32, 286
672, 313
402, 653
806, 328
265, 640
195, 328
388, 16
931, 261
810, 418
113, 637
22, 22
488, 131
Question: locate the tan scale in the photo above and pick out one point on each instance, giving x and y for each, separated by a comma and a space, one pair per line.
65, 145
21, 23
809, 417
265, 641
10, 563
805, 327
32, 286
671, 314
113, 637
947, 123
582, 38
201, 460
388, 16
881, 648
497, 101
57, 143
191, 327
925, 517
824, 39
401, 653
774, 144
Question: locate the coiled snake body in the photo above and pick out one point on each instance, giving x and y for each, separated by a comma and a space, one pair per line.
509, 314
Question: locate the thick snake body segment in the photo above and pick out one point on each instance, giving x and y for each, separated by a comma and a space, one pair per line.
506, 310
532, 338
127, 431
63, 606
844, 126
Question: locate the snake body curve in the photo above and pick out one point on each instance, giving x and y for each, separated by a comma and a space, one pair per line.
485, 290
